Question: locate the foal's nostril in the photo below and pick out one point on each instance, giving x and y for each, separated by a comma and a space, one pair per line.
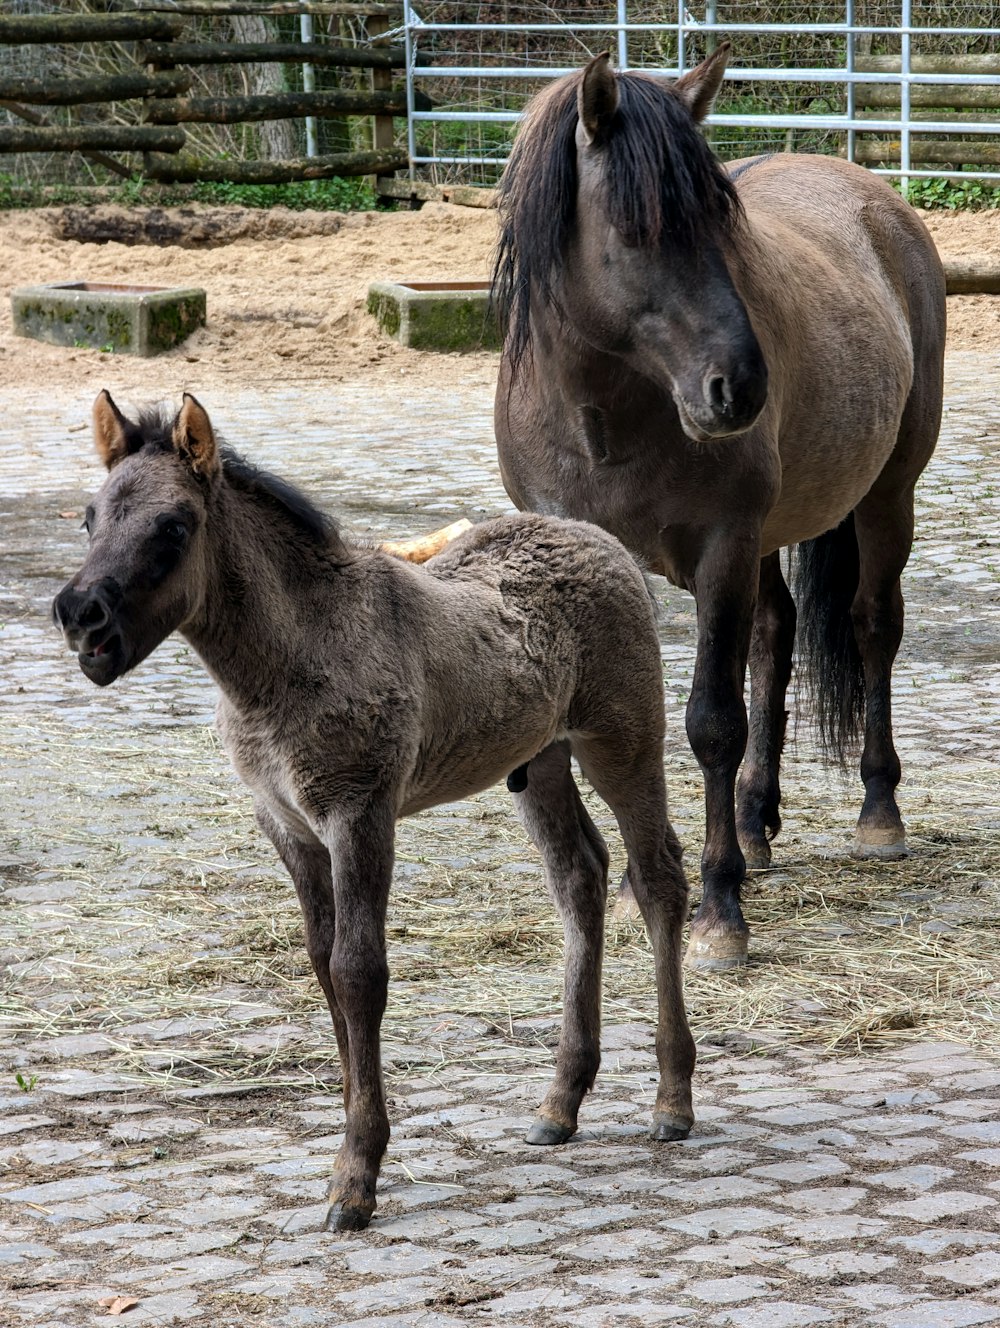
92, 614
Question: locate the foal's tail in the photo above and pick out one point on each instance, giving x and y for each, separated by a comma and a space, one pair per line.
826, 579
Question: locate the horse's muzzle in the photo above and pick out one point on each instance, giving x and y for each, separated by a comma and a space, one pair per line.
730, 402
87, 619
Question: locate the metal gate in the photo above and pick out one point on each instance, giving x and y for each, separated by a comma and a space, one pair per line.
891, 85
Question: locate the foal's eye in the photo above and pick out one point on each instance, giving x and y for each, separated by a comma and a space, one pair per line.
173, 531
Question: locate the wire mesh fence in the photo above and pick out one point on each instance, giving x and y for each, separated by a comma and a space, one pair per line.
879, 80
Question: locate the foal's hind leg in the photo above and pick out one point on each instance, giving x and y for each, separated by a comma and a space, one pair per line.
632, 784
884, 529
758, 794
575, 861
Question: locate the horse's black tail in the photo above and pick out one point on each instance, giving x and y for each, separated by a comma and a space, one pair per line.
826, 580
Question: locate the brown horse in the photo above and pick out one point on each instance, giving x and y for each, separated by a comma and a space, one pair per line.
714, 364
358, 688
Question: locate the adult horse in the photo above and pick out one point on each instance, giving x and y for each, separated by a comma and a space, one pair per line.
714, 364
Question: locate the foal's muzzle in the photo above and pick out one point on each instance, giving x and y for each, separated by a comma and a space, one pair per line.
87, 619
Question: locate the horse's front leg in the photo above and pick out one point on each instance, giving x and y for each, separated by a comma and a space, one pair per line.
360, 844
758, 818
725, 586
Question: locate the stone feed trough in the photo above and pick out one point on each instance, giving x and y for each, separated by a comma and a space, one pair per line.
436, 315
139, 320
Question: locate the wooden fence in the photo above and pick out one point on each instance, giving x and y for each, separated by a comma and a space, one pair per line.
163, 90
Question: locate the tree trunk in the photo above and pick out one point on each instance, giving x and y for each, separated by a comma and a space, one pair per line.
277, 138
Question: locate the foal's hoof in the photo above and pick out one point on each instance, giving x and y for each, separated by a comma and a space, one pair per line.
668, 1129
346, 1217
547, 1132
885, 845
714, 952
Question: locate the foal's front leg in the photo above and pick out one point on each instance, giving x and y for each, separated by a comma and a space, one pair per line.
725, 593
360, 843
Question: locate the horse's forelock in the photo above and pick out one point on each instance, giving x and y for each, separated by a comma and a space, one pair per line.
665, 189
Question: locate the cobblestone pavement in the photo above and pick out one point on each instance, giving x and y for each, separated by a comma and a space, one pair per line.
168, 1087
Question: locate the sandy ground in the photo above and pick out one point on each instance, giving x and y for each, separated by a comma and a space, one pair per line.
291, 302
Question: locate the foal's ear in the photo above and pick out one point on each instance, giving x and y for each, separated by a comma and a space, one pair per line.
597, 98
114, 435
194, 439
698, 88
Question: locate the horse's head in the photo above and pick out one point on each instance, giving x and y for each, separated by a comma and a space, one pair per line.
144, 571
640, 218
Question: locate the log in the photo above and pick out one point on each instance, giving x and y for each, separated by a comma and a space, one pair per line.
163, 54
224, 7
84, 91
972, 276
98, 158
462, 195
935, 151
873, 96
426, 546
929, 64
63, 29
188, 171
274, 106
84, 138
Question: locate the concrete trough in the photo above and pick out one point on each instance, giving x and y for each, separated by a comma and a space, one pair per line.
436, 315
136, 320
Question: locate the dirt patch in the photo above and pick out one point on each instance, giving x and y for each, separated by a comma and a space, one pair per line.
286, 290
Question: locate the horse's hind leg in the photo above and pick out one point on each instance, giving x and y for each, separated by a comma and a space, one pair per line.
884, 530
631, 783
758, 794
575, 861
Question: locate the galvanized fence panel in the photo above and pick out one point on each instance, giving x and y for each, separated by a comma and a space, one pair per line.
911, 89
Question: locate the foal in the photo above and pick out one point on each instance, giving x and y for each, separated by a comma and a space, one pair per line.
357, 688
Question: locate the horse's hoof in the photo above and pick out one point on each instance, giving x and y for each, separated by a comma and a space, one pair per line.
668, 1129
346, 1217
547, 1132
757, 853
883, 845
717, 951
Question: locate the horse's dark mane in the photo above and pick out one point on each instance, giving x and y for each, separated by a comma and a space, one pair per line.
155, 425
665, 189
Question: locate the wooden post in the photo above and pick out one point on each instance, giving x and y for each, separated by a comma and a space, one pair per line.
382, 128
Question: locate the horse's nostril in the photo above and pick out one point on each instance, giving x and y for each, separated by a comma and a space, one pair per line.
719, 394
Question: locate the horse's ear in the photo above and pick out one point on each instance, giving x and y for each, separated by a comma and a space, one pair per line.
597, 98
699, 87
114, 435
194, 439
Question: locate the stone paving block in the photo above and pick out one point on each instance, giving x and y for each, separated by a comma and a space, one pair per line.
608, 1246
195, 1270
729, 1290
740, 1252
787, 1314
940, 1314
912, 1178
539, 1300
838, 1226
822, 1200
714, 1190
938, 1240
841, 1265
610, 1315
931, 1207
984, 1132
727, 1221
20, 1124
508, 1236
975, 1270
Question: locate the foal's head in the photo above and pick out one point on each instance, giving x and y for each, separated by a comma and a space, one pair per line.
616, 215
144, 573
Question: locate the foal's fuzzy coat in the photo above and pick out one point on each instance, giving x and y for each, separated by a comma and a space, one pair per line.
357, 688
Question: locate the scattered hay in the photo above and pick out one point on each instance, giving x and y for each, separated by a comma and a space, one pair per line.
175, 935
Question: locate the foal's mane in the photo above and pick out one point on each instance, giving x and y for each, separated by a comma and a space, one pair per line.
155, 424
664, 189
